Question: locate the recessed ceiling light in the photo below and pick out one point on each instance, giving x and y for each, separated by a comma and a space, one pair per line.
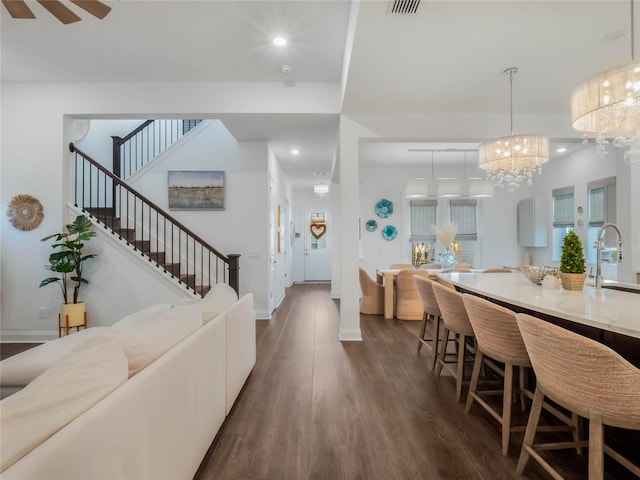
279, 41
561, 150
295, 151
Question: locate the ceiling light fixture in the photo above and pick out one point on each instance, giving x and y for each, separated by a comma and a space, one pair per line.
511, 160
279, 41
561, 150
608, 105
321, 189
295, 151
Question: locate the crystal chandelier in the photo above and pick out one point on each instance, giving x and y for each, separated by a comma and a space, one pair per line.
608, 105
510, 161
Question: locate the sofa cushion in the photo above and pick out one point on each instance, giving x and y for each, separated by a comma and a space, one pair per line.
143, 344
70, 387
136, 319
219, 298
20, 369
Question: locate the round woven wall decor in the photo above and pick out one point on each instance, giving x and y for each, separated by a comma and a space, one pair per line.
25, 212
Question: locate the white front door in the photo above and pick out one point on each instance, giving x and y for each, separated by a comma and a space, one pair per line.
317, 245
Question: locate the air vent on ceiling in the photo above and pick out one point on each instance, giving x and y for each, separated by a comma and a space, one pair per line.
404, 7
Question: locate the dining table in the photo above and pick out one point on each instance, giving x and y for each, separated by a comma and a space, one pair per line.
386, 277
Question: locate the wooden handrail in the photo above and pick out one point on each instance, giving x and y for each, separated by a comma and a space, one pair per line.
134, 132
231, 260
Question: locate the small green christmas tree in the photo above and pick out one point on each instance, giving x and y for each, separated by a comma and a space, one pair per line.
572, 260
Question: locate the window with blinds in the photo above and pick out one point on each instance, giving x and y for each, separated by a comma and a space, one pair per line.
423, 218
602, 202
602, 209
463, 213
563, 207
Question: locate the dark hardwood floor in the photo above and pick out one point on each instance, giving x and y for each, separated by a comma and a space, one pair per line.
316, 408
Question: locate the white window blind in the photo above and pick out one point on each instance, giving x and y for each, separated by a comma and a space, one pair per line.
423, 217
563, 207
463, 214
602, 201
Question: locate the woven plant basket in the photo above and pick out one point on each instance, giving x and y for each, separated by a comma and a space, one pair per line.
573, 281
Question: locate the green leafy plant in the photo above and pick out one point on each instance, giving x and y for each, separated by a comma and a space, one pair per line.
67, 259
572, 259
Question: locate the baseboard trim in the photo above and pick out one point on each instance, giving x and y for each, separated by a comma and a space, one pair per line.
335, 294
263, 315
351, 335
24, 336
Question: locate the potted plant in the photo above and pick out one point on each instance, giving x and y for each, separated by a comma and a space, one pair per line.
68, 260
572, 263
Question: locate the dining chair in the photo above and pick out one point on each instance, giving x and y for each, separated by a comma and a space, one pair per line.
430, 266
498, 338
585, 377
408, 302
456, 322
463, 266
401, 266
372, 301
431, 312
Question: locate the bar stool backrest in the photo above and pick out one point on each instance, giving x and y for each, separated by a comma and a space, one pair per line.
454, 314
496, 331
581, 374
425, 289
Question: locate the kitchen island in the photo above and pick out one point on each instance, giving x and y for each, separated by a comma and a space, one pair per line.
607, 315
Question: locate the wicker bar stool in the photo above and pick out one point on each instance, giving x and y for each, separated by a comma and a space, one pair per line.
456, 321
408, 303
372, 302
497, 337
431, 312
585, 377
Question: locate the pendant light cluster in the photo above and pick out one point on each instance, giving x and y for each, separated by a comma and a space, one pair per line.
608, 106
448, 187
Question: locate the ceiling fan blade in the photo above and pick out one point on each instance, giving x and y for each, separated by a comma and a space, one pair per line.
18, 9
58, 10
94, 7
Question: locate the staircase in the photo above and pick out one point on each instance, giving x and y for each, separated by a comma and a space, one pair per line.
154, 233
139, 147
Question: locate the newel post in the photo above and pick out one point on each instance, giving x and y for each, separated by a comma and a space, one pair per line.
234, 276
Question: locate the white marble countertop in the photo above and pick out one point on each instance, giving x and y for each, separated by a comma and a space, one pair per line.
607, 309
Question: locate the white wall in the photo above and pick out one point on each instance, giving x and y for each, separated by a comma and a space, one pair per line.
245, 167
575, 170
98, 143
496, 220
280, 195
36, 128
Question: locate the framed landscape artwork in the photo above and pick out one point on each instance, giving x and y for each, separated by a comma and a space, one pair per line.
197, 190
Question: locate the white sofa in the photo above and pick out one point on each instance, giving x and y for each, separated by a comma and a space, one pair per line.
157, 423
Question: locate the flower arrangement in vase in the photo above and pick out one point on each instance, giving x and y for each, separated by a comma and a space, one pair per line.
572, 263
446, 234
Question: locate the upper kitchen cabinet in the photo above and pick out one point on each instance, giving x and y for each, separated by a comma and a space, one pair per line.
533, 226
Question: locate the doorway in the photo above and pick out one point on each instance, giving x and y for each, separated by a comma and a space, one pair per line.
317, 245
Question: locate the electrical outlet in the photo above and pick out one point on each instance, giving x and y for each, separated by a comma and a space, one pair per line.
42, 312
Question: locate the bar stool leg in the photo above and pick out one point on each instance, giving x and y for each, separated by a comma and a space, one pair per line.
460, 369
436, 339
523, 385
425, 319
442, 352
530, 433
475, 376
596, 447
507, 400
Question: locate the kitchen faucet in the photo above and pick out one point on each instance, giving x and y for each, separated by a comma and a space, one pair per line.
598, 247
